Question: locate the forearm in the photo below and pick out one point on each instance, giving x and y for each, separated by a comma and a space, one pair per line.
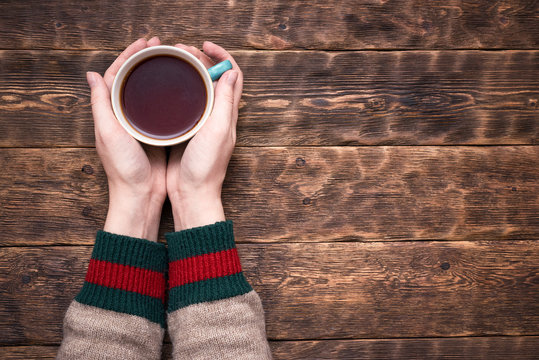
213, 311
119, 313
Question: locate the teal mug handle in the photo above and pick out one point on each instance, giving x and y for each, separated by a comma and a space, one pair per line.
219, 69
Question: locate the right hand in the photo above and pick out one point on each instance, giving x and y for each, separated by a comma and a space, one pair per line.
196, 170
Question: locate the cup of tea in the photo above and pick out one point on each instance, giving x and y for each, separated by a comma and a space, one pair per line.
163, 95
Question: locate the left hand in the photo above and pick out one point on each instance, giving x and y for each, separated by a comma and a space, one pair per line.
136, 173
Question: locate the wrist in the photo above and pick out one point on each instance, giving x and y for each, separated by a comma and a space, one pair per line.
134, 214
196, 209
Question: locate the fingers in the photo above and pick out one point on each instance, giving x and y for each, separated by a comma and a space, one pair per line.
135, 47
104, 119
219, 54
198, 54
155, 41
130, 50
223, 109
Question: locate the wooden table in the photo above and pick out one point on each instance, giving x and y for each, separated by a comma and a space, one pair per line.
385, 187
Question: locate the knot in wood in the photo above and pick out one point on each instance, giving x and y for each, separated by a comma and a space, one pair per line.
300, 162
88, 169
86, 211
445, 266
320, 102
306, 201
427, 26
376, 104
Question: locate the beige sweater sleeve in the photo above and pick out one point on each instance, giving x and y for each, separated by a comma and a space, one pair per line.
119, 313
213, 313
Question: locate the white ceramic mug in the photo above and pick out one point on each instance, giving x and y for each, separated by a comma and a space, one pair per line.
208, 76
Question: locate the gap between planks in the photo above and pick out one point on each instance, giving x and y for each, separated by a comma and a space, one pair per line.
71, 147
247, 243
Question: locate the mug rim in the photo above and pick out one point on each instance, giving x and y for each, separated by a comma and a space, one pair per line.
138, 57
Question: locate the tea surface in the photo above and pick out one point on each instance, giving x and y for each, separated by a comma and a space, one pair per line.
163, 97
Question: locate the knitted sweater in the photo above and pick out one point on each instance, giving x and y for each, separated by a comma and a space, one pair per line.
213, 313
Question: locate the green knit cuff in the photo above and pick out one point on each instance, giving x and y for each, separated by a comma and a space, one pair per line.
200, 240
204, 266
126, 275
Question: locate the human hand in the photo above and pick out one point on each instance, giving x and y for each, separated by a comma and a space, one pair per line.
196, 170
136, 173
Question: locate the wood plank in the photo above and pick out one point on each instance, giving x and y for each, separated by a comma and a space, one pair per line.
502, 348
320, 291
28, 352
299, 194
493, 348
283, 24
306, 98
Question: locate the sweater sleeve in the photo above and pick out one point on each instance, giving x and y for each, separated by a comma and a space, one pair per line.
213, 313
119, 313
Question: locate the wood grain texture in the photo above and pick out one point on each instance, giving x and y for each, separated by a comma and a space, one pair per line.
283, 24
34, 352
492, 348
59, 196
358, 290
306, 98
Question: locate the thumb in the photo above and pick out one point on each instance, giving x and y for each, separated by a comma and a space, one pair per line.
101, 106
224, 97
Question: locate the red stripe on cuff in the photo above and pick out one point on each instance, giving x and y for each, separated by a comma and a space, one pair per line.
203, 267
125, 277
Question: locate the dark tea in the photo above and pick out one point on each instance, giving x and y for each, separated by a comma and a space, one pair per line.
163, 97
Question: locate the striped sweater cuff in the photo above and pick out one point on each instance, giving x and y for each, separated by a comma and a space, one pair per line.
204, 266
126, 275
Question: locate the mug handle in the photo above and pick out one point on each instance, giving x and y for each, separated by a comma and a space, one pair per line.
217, 70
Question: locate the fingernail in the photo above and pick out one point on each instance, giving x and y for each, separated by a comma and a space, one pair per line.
155, 38
90, 77
232, 77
